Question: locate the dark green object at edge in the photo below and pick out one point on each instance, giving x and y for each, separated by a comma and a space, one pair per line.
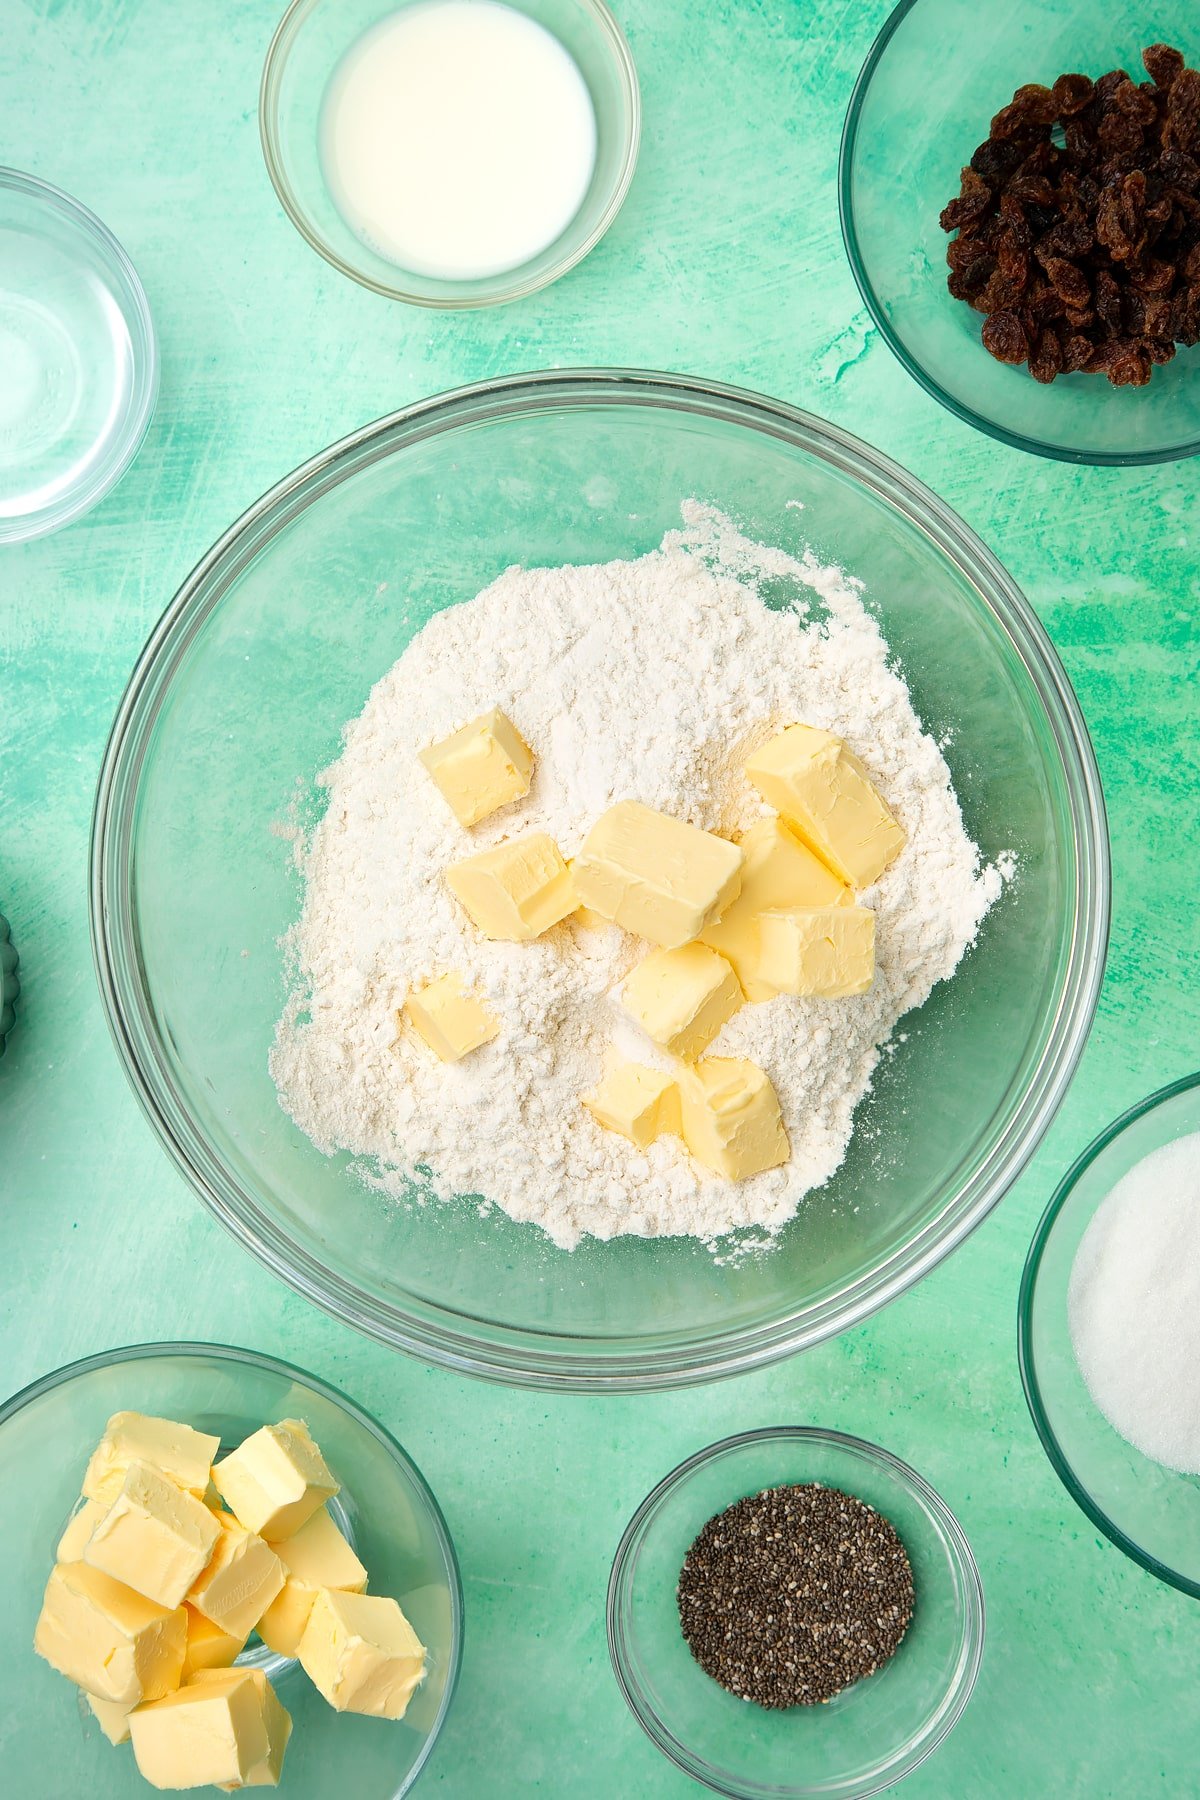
10, 987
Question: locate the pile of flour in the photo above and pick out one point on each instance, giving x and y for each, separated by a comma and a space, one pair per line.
649, 680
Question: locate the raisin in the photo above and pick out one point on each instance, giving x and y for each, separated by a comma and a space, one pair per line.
1004, 337
1158, 349
1071, 94
1162, 64
1129, 368
1152, 276
1069, 282
973, 201
1030, 190
1108, 300
1183, 110
1046, 358
1077, 352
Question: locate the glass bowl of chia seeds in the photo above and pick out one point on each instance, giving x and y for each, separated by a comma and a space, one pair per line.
1146, 1509
870, 1734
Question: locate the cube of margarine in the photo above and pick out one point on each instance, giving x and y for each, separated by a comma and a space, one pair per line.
516, 890
318, 1556
226, 1728
641, 1103
681, 998
484, 765
243, 1576
362, 1653
731, 1118
275, 1480
208, 1646
154, 1537
779, 871
80, 1526
112, 1716
176, 1451
655, 876
112, 1642
825, 950
452, 1020
823, 790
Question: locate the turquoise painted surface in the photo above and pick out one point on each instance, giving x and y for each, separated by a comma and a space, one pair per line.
726, 262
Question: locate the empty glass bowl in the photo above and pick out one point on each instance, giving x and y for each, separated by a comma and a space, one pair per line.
52, 1745
865, 1738
78, 359
274, 643
936, 74
313, 37
1151, 1513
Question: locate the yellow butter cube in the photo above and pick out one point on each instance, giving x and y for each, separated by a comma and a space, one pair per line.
225, 1729
154, 1537
208, 1646
731, 1118
826, 795
517, 890
80, 1526
485, 765
362, 1653
275, 1480
318, 1556
243, 1576
183, 1455
642, 1104
656, 876
108, 1640
779, 871
681, 998
824, 950
452, 1020
112, 1716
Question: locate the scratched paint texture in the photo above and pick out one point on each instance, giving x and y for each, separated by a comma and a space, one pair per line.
726, 262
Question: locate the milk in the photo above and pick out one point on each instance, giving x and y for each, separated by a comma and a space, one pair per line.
458, 138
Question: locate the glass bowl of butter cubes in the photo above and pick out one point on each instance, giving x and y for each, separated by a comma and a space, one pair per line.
239, 701
219, 1572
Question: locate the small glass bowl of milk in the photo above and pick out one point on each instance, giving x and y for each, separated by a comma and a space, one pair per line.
450, 152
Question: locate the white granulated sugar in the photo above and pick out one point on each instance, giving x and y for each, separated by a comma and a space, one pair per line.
649, 680
1134, 1305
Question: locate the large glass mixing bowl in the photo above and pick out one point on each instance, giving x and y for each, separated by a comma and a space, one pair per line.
273, 643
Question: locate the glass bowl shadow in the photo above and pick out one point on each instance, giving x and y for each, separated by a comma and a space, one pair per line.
935, 75
47, 1433
312, 38
275, 641
865, 1738
1146, 1510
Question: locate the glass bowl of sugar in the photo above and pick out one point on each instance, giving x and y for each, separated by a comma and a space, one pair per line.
1109, 1333
450, 153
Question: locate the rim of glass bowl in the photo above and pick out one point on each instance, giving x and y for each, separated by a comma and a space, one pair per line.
440, 1335
275, 1365
144, 349
1028, 1363
1038, 446
508, 284
965, 1675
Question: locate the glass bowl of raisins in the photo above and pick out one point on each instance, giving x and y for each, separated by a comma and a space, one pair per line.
1020, 201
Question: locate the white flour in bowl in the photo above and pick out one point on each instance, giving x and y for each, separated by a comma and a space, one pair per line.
648, 680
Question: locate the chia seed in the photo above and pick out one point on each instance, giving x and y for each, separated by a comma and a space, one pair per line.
794, 1594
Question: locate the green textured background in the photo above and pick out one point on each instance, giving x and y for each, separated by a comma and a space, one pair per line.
725, 262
